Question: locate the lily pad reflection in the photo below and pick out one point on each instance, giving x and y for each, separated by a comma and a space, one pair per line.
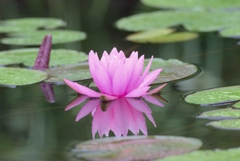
28, 56
135, 148
17, 76
35, 37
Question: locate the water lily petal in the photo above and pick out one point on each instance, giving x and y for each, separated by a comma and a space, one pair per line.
157, 90
76, 102
82, 89
102, 79
120, 120
101, 122
138, 92
144, 74
87, 108
149, 116
150, 78
119, 81
136, 73
153, 100
139, 105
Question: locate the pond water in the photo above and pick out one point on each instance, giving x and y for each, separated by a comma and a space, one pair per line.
33, 129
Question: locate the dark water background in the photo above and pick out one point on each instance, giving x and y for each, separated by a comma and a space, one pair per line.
33, 129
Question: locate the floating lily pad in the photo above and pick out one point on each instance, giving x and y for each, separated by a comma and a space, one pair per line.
27, 24
231, 32
192, 3
202, 21
173, 70
170, 38
147, 36
236, 105
35, 37
135, 147
28, 56
207, 155
19, 76
226, 113
232, 124
215, 96
75, 72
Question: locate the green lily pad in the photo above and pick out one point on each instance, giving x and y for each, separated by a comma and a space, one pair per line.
226, 113
27, 24
202, 21
232, 124
231, 32
74, 72
28, 56
147, 36
135, 147
236, 105
175, 37
215, 96
18, 76
207, 155
35, 37
173, 70
192, 4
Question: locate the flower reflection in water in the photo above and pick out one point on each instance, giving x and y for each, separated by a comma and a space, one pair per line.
118, 115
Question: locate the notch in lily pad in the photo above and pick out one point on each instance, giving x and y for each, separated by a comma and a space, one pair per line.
29, 24
35, 37
134, 147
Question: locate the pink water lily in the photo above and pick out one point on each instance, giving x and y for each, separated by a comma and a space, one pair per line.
117, 76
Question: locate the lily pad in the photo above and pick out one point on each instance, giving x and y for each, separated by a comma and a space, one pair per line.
210, 4
27, 24
135, 147
170, 38
233, 32
215, 96
173, 70
232, 124
202, 21
18, 76
226, 113
28, 56
74, 72
35, 37
207, 155
147, 36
